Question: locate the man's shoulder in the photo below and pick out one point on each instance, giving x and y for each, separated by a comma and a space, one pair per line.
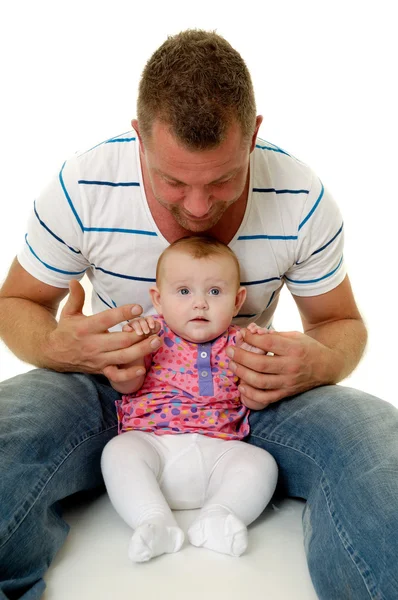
280, 165
114, 155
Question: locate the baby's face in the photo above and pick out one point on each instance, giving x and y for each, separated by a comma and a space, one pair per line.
198, 296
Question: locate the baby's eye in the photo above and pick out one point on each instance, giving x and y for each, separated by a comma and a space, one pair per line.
183, 291
214, 292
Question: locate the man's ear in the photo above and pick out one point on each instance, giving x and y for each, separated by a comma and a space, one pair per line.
239, 300
259, 120
155, 297
136, 127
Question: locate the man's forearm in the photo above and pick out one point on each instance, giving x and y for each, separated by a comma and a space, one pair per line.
24, 328
346, 339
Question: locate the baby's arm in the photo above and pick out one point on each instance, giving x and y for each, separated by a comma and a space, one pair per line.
144, 326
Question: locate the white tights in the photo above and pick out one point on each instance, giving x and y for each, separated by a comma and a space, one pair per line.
147, 475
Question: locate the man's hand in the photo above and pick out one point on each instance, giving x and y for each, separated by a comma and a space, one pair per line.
297, 363
84, 344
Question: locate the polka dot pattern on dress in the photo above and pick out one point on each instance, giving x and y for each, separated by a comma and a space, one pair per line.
170, 401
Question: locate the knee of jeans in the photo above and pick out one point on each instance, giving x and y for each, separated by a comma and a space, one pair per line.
359, 439
49, 404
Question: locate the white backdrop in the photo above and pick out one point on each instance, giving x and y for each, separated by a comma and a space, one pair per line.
324, 75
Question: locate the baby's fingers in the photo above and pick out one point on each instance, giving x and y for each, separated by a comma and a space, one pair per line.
140, 326
143, 325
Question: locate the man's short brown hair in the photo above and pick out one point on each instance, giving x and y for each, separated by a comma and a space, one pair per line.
198, 85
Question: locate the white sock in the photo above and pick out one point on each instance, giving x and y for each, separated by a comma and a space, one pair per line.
217, 528
153, 539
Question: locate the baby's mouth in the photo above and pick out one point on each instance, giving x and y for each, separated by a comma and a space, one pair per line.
199, 319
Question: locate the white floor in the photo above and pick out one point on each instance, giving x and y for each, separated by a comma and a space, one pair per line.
93, 564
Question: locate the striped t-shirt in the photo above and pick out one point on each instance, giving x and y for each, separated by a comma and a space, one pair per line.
93, 218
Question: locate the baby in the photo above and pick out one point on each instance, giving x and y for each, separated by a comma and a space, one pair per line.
182, 422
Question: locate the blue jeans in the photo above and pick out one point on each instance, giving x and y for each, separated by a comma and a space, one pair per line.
335, 446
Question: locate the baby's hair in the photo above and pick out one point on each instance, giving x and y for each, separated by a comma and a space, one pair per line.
199, 247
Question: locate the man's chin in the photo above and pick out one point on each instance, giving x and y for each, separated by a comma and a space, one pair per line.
197, 225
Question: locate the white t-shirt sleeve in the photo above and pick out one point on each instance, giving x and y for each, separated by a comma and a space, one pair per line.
53, 242
319, 265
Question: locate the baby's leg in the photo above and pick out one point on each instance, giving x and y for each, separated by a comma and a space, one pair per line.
240, 486
130, 466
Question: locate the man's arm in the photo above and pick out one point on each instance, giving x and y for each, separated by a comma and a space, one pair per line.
329, 349
333, 319
27, 315
75, 343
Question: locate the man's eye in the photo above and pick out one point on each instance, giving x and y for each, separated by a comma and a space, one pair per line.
184, 291
214, 292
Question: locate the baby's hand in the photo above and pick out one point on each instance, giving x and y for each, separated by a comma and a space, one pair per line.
141, 325
252, 328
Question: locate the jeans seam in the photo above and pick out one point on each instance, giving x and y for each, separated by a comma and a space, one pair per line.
18, 523
362, 568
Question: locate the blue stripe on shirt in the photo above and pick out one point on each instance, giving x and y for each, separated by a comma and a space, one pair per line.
51, 232
272, 149
49, 266
108, 141
119, 230
122, 276
69, 198
260, 281
313, 209
270, 300
267, 190
106, 303
113, 140
103, 229
323, 247
267, 237
110, 183
319, 278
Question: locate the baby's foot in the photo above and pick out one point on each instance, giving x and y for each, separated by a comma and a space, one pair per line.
219, 530
150, 540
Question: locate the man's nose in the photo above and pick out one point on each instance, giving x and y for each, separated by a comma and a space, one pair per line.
197, 202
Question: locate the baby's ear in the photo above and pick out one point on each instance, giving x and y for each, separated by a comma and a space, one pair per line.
239, 300
155, 297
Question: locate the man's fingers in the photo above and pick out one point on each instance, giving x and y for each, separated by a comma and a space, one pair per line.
137, 351
101, 322
119, 375
75, 301
115, 340
260, 380
255, 362
275, 342
258, 399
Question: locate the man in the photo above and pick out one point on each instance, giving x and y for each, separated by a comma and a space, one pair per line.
193, 164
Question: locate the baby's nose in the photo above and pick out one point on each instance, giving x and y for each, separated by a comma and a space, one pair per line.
200, 302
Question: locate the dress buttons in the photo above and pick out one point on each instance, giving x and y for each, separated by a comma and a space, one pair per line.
204, 373
203, 354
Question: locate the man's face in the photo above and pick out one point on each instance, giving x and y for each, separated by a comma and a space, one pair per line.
196, 187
